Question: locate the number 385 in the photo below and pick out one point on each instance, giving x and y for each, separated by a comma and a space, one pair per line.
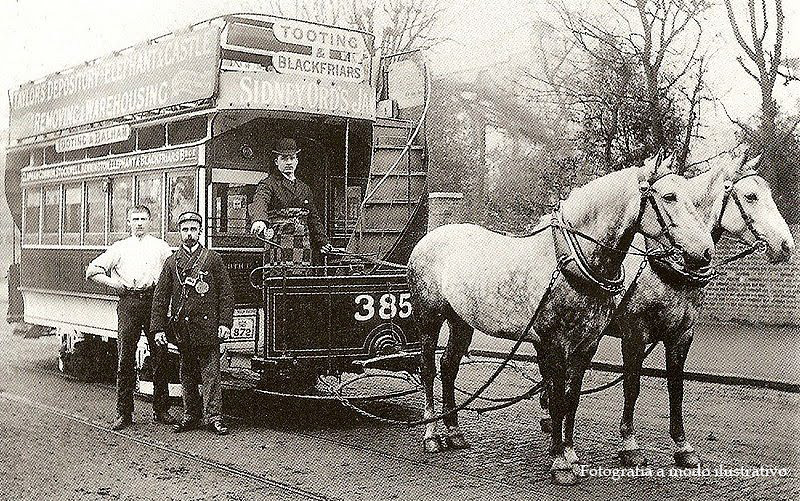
387, 307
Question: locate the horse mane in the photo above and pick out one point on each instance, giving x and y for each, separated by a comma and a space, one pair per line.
699, 185
585, 203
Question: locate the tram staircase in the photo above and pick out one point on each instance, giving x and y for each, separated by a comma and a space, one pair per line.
395, 187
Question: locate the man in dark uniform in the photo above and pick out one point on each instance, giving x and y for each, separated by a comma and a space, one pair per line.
195, 288
283, 190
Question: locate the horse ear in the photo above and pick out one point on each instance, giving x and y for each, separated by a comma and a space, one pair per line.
664, 165
648, 169
751, 164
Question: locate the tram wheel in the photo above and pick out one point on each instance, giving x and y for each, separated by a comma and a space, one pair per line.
86, 361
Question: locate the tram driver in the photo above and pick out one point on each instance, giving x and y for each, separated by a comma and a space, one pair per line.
282, 190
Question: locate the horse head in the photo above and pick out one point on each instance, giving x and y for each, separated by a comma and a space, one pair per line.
669, 216
749, 212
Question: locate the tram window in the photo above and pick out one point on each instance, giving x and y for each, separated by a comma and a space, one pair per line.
95, 213
51, 156
187, 131
73, 210
52, 194
124, 146
149, 193
121, 188
182, 196
232, 192
152, 137
33, 204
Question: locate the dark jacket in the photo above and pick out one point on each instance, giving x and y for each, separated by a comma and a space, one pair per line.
277, 192
195, 318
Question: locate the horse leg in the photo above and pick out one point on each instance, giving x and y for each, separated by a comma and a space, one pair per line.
561, 472
632, 358
676, 351
429, 335
457, 345
545, 422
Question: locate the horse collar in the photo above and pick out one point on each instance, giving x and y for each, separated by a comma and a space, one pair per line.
575, 266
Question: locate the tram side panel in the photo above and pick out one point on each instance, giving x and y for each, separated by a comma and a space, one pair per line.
336, 324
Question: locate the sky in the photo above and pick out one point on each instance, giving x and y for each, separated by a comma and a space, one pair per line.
40, 37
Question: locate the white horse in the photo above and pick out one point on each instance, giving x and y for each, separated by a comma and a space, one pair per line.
478, 279
664, 305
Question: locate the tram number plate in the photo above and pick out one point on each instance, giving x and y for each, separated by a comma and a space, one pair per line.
244, 327
385, 306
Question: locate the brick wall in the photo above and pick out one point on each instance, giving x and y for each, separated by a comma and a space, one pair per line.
753, 290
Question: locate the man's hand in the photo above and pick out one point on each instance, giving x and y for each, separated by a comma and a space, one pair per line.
161, 338
99, 276
223, 332
260, 228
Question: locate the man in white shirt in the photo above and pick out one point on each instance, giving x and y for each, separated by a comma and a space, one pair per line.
131, 267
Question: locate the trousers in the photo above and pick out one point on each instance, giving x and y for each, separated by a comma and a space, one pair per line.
133, 314
200, 365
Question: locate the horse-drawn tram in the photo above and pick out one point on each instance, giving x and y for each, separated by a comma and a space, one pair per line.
187, 121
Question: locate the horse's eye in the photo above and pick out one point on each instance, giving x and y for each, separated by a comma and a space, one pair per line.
751, 197
670, 197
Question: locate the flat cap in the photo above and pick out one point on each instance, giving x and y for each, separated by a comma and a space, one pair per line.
190, 215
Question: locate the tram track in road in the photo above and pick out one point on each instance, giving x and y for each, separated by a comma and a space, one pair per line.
414, 464
511, 455
210, 463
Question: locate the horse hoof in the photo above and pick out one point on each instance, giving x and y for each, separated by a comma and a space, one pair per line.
457, 441
687, 459
564, 477
547, 424
632, 458
432, 445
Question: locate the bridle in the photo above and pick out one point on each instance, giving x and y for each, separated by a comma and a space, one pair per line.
648, 195
730, 193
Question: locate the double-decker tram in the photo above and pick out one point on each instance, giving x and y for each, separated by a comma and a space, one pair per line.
187, 121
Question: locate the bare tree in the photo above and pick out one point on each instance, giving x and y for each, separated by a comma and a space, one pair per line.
409, 24
763, 62
630, 78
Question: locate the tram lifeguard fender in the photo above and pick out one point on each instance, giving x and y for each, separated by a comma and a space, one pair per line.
14, 164
16, 310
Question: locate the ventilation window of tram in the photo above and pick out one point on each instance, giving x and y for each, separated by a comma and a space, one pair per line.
37, 157
187, 131
33, 206
124, 146
50, 214
181, 196
121, 197
51, 156
152, 137
75, 155
98, 151
149, 193
95, 213
73, 212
